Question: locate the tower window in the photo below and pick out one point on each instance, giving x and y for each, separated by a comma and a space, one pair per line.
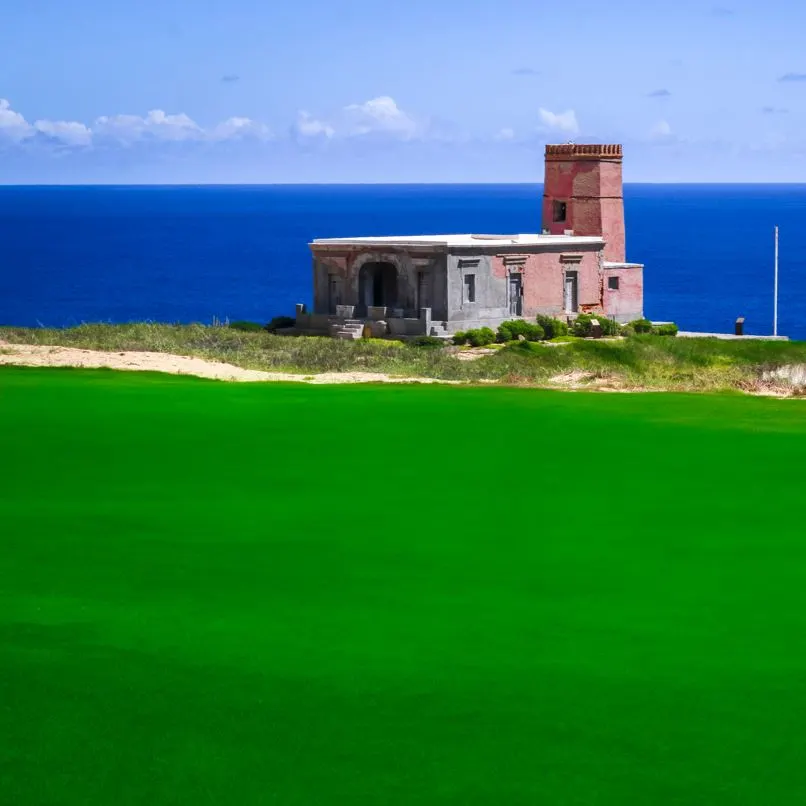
470, 287
560, 211
612, 283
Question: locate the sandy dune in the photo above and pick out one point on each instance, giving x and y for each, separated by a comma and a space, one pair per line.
39, 356
784, 382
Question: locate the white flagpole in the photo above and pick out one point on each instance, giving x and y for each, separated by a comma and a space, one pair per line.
775, 303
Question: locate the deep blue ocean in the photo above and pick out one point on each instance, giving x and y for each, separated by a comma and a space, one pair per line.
189, 254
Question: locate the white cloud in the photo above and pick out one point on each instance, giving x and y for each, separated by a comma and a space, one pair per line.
560, 122
661, 130
309, 126
239, 129
69, 132
505, 134
379, 115
156, 124
13, 126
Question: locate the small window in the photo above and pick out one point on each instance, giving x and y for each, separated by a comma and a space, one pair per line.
612, 283
470, 288
560, 211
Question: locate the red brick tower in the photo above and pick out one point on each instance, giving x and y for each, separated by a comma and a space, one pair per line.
584, 193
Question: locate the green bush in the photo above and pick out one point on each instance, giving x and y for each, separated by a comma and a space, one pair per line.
509, 331
280, 322
627, 330
430, 342
554, 328
583, 327
460, 337
247, 327
669, 329
641, 325
480, 337
504, 333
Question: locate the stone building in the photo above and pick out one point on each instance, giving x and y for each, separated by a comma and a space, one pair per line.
438, 284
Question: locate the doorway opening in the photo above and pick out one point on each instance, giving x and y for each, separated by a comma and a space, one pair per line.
377, 285
515, 295
571, 296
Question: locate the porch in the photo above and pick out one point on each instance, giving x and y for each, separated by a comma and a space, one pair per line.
378, 321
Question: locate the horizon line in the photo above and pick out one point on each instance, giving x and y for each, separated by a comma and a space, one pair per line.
368, 184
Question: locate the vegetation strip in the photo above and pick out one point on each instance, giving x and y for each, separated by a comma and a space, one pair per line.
635, 362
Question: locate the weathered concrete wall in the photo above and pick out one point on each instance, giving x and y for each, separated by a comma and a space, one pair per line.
626, 303
407, 327
544, 279
325, 266
589, 180
491, 290
344, 266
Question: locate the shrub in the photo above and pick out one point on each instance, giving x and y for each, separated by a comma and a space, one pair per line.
554, 328
627, 330
583, 327
460, 337
247, 327
280, 322
509, 331
641, 325
426, 341
669, 329
480, 337
504, 333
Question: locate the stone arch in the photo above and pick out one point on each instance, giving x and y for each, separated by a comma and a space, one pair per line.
380, 280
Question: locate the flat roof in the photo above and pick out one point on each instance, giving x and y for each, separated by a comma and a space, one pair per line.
466, 240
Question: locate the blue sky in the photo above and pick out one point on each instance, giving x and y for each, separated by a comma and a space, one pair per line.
357, 91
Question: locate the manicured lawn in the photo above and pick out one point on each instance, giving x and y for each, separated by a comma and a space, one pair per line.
243, 594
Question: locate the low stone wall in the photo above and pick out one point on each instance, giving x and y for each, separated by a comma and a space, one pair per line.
321, 324
474, 324
314, 322
407, 327
380, 324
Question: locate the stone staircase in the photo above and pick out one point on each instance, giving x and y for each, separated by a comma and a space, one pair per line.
348, 329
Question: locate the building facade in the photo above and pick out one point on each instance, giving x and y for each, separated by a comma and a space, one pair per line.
438, 284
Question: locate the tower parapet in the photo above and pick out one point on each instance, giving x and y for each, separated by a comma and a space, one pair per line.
584, 151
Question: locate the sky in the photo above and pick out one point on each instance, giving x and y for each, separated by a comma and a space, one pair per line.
284, 91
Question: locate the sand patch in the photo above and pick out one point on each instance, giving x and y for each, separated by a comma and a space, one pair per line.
474, 353
30, 355
572, 380
786, 382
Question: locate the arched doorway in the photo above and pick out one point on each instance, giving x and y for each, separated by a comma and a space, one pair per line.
377, 285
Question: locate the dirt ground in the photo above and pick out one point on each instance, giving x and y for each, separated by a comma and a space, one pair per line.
39, 356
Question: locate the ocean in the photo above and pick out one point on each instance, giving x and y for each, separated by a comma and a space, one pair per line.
190, 254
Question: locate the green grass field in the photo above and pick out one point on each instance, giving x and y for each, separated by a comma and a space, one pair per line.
243, 594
